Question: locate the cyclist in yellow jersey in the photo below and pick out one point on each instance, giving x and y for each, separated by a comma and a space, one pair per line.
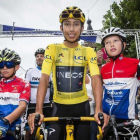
68, 62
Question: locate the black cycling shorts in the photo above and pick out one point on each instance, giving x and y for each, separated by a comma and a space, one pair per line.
81, 129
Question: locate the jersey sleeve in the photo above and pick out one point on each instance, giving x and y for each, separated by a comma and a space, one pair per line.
92, 62
25, 93
48, 60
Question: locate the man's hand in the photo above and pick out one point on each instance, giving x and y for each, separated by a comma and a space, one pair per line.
31, 119
4, 126
106, 119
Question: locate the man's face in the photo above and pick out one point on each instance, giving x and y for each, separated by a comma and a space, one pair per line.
71, 29
113, 45
39, 59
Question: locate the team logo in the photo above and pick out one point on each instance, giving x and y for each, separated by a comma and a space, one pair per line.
93, 60
47, 47
70, 75
70, 133
79, 59
66, 49
51, 130
58, 61
61, 55
48, 58
77, 49
24, 91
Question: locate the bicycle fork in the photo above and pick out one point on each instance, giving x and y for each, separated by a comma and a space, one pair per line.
69, 132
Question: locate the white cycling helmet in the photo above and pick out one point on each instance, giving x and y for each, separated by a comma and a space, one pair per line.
113, 31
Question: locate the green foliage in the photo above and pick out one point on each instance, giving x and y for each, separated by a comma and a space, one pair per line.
125, 15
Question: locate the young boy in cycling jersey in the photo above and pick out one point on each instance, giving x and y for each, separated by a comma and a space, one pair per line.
33, 75
14, 93
120, 76
69, 62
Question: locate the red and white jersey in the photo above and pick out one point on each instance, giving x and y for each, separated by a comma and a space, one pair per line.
11, 93
120, 81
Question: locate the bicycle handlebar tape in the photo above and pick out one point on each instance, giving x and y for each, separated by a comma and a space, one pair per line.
101, 118
37, 118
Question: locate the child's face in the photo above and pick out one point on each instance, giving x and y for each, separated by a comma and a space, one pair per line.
7, 72
113, 45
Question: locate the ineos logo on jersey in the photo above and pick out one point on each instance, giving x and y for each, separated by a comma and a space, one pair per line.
69, 75
35, 78
93, 60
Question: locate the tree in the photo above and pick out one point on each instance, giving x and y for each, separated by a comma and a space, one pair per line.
125, 15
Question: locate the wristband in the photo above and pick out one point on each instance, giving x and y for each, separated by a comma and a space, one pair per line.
5, 121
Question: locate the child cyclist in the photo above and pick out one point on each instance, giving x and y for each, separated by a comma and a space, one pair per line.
14, 93
69, 62
120, 77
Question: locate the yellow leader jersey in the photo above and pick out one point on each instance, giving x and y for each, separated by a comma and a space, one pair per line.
69, 67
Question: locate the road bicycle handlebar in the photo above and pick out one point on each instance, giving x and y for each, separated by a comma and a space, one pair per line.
115, 126
15, 134
68, 118
129, 124
36, 120
36, 134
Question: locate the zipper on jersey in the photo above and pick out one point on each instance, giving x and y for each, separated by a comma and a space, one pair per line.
70, 68
112, 90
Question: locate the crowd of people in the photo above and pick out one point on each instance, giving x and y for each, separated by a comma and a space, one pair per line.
82, 86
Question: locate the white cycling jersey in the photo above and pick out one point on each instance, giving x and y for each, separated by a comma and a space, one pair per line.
33, 75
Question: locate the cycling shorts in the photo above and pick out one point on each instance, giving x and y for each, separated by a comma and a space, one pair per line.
81, 129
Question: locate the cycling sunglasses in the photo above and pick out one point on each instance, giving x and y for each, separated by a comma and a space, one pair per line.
76, 14
8, 64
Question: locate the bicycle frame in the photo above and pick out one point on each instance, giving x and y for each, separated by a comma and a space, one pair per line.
69, 126
125, 125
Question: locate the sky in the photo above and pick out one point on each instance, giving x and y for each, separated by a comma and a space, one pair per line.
43, 14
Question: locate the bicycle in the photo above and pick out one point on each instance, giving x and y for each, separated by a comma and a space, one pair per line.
122, 131
15, 134
69, 126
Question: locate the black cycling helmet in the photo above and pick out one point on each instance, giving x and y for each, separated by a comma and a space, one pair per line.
39, 51
9, 55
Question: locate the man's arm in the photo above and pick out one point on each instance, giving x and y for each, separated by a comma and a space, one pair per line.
41, 93
17, 112
97, 88
97, 91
